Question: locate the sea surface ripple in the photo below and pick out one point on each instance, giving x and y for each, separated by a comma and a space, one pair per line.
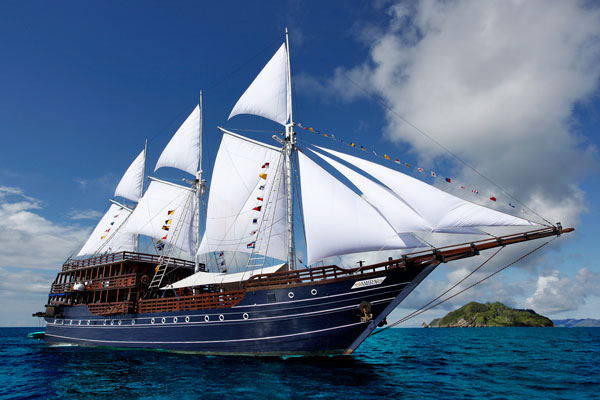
471, 363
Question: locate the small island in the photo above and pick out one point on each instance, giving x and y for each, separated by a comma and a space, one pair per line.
476, 315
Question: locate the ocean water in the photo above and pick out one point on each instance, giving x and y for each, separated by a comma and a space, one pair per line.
476, 363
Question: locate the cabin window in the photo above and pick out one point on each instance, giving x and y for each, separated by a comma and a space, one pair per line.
271, 298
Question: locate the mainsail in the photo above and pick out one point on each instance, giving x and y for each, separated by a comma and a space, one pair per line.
247, 203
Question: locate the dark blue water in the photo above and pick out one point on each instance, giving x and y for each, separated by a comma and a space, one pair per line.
476, 363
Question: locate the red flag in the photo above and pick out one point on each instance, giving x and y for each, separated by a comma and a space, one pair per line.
259, 198
448, 180
257, 208
492, 198
265, 165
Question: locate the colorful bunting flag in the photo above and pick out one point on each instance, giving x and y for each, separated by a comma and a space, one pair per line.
362, 148
253, 232
511, 205
397, 161
261, 187
265, 165
103, 236
170, 212
259, 198
250, 245
448, 180
492, 198
257, 208
420, 170
168, 222
263, 176
352, 144
386, 156
165, 227
407, 165
164, 237
433, 174
255, 220
475, 191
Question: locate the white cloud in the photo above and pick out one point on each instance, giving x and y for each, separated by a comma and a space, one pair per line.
555, 294
496, 83
85, 214
28, 239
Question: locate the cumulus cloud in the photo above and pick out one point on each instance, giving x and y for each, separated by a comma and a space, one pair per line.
28, 239
482, 79
85, 214
555, 293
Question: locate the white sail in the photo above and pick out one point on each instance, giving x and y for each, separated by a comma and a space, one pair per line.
246, 176
130, 185
166, 213
183, 150
267, 96
444, 212
401, 216
337, 220
107, 237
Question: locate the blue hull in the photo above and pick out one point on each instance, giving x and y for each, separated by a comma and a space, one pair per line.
316, 318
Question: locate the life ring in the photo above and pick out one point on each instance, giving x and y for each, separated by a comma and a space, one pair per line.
145, 280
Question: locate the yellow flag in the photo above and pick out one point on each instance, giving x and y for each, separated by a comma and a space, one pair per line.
263, 176
386, 156
311, 129
325, 135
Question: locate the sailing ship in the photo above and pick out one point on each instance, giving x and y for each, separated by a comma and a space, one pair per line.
112, 294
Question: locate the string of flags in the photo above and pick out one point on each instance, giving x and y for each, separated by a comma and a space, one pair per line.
263, 175
106, 232
387, 157
167, 225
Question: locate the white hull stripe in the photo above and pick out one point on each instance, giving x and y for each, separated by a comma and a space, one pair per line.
183, 324
208, 341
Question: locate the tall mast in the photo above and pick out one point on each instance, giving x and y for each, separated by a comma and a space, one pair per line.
137, 237
199, 188
290, 142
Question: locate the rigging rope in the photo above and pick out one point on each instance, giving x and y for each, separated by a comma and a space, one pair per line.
426, 308
375, 98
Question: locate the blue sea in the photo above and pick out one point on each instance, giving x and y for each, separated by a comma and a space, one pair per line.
472, 363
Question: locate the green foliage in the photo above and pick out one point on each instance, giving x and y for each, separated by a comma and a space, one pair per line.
490, 314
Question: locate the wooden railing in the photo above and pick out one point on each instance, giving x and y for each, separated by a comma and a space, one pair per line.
194, 302
110, 282
119, 307
71, 265
312, 275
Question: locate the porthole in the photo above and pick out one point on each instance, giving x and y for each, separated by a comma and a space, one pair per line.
174, 320
163, 320
79, 322
221, 317
245, 316
152, 321
291, 295
313, 292
104, 322
88, 321
133, 322
120, 321
206, 318
187, 319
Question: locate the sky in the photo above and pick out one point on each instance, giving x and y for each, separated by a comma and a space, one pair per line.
507, 90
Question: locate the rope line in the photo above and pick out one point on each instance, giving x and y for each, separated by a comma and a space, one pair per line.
425, 308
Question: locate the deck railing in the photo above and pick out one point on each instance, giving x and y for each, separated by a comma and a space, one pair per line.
71, 264
193, 302
118, 307
109, 282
